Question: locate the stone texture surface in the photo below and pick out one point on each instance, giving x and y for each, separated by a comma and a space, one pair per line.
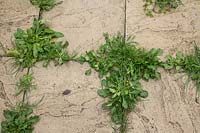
169, 107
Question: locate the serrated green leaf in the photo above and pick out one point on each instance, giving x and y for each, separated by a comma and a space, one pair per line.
88, 72
124, 103
167, 66
8, 114
58, 35
103, 82
103, 93
158, 75
144, 94
13, 53
161, 6
112, 90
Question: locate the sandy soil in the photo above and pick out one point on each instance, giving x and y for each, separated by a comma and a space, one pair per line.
169, 108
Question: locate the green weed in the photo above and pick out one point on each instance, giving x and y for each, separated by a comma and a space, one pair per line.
44, 5
38, 44
19, 120
186, 63
160, 6
121, 66
25, 84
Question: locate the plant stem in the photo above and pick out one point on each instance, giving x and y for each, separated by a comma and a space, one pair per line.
24, 96
2, 56
123, 125
197, 97
40, 14
125, 4
25, 92
1, 45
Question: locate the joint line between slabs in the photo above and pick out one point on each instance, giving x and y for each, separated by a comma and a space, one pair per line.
125, 17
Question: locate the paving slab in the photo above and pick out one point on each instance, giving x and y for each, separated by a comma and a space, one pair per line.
14, 14
170, 107
83, 23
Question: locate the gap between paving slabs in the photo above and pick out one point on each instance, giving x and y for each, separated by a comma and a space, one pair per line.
167, 94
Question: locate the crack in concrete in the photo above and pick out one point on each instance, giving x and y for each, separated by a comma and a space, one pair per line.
62, 115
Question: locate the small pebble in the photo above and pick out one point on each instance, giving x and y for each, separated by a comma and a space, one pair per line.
66, 92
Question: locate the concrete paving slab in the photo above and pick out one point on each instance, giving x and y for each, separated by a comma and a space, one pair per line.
83, 22
169, 107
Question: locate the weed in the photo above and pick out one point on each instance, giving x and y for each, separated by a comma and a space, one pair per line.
25, 84
121, 65
88, 72
186, 63
44, 5
31, 46
19, 119
38, 44
160, 6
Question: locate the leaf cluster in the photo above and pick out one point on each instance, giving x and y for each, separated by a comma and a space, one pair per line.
38, 44
25, 84
160, 6
186, 63
44, 5
19, 120
121, 65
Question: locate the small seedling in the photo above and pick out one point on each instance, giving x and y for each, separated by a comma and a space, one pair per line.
186, 63
121, 65
88, 72
160, 6
24, 86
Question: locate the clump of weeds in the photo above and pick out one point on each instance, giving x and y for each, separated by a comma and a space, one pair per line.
160, 6
188, 63
19, 119
38, 44
44, 5
31, 46
121, 65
